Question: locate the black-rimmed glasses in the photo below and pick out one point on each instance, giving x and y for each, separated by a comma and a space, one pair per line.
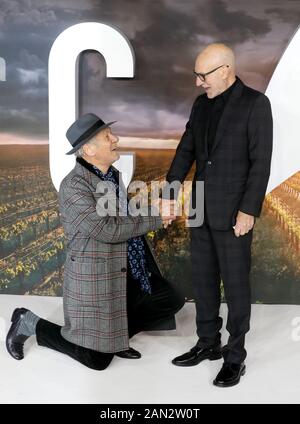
202, 76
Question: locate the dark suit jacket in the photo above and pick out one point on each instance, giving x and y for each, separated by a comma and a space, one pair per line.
236, 172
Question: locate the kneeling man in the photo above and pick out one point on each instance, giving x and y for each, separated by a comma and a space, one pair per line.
112, 288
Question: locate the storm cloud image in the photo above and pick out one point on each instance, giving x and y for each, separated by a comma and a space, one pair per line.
166, 36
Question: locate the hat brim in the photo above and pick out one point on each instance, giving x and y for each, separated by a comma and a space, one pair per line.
89, 137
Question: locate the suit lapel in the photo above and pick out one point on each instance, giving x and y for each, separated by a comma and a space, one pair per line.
206, 128
228, 114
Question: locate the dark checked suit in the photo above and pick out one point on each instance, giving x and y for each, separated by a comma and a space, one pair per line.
232, 146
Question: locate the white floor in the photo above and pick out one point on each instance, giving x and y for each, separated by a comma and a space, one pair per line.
45, 376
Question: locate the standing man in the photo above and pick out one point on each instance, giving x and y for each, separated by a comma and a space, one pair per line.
229, 135
112, 288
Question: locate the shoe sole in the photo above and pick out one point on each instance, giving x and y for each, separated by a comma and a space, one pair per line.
212, 357
230, 384
126, 357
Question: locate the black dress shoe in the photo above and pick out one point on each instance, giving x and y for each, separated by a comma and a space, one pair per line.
129, 354
229, 374
196, 355
14, 342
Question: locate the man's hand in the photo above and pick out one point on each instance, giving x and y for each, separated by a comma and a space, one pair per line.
167, 209
244, 223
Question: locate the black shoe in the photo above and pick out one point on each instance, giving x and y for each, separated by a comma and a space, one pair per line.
229, 374
129, 354
14, 342
198, 354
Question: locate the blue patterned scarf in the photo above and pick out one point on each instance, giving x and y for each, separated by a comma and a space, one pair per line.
135, 246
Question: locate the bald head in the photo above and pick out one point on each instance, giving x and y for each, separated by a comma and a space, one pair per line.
213, 56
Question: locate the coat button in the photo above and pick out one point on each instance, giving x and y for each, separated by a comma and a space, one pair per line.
208, 162
123, 269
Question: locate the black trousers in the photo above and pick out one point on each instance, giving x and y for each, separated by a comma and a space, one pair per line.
144, 310
220, 255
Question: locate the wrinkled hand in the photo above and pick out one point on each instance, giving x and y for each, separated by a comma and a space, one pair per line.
167, 209
244, 223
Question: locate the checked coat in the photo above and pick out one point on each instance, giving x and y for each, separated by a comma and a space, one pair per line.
94, 290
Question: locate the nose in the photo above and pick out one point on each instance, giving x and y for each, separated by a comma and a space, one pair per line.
199, 83
115, 138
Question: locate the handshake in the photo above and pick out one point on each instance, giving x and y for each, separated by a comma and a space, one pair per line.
168, 210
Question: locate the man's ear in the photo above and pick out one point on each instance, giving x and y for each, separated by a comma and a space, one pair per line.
88, 149
225, 72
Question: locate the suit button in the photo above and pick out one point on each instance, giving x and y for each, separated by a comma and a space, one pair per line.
123, 269
208, 162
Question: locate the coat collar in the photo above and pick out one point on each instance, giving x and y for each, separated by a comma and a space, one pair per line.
227, 93
86, 170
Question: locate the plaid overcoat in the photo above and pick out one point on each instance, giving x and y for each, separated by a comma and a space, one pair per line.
94, 289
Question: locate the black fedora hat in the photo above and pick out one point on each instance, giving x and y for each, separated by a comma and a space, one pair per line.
83, 129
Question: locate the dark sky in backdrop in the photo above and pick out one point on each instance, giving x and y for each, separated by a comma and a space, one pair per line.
166, 36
